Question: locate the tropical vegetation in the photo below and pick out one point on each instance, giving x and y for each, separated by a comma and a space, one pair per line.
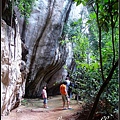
96, 55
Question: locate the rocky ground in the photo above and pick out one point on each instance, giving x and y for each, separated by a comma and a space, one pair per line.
32, 109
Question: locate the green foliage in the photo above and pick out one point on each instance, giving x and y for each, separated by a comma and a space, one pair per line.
25, 7
87, 74
81, 1
63, 42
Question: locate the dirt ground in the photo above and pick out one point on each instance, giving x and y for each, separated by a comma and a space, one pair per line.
32, 109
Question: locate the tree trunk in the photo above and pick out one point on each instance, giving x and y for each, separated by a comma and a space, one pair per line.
101, 90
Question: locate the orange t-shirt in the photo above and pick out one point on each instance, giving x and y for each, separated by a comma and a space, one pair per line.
63, 89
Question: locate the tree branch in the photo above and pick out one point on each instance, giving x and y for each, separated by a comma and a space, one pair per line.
101, 91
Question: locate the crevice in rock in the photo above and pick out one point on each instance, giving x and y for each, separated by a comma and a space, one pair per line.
68, 12
37, 41
42, 75
23, 31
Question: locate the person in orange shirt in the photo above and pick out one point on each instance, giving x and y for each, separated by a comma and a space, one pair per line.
64, 95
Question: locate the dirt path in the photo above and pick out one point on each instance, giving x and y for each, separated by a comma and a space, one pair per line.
32, 109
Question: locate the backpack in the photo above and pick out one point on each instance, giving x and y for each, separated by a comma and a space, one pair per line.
71, 86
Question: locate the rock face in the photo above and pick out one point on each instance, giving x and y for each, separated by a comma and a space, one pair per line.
11, 81
45, 58
42, 36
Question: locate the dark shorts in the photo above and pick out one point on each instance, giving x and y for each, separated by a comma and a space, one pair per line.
65, 98
45, 100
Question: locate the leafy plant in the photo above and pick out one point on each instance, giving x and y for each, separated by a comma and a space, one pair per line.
25, 6
95, 54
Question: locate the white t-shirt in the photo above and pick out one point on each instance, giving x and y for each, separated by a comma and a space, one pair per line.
68, 83
44, 93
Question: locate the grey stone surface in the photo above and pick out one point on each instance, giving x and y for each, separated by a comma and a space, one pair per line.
11, 81
45, 58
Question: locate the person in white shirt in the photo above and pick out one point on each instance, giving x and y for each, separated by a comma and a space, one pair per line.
69, 90
44, 96
68, 82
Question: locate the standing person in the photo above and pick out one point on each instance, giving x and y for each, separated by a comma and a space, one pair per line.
64, 94
69, 87
44, 96
68, 83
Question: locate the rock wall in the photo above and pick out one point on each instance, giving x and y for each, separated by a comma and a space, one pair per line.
11, 81
24, 76
42, 35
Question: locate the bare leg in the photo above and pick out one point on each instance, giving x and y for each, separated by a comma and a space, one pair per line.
63, 104
68, 103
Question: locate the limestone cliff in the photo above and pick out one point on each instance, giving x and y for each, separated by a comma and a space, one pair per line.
32, 54
42, 36
11, 81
